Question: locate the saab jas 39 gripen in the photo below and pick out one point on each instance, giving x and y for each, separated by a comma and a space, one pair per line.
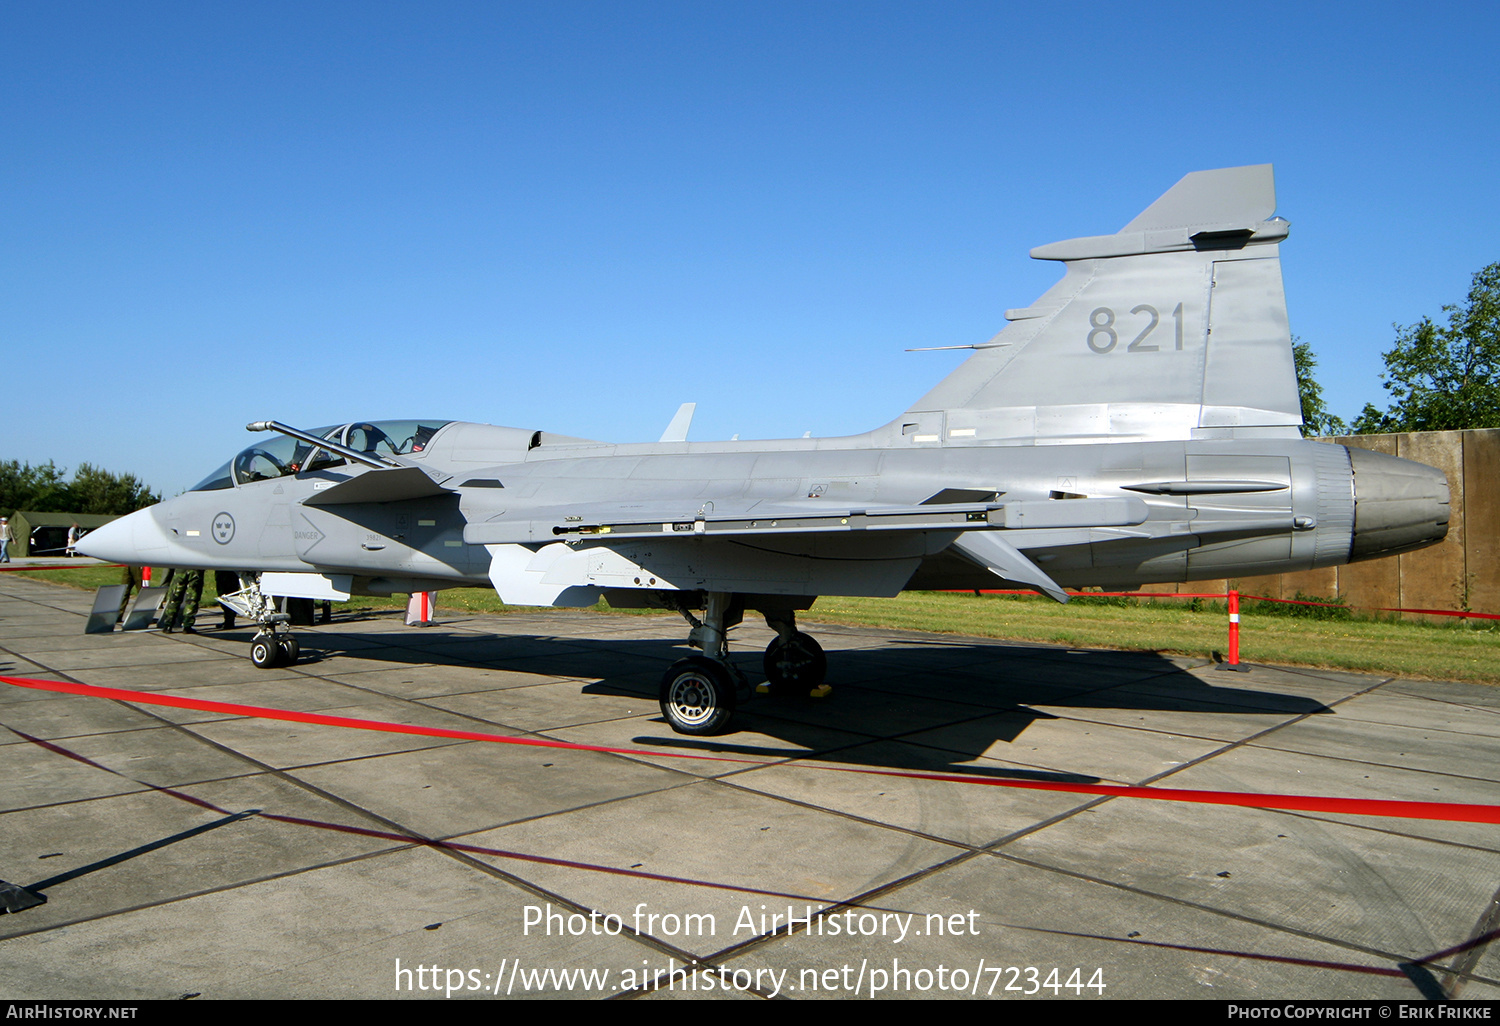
1137, 423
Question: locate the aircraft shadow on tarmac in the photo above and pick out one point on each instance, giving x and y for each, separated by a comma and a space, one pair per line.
937, 705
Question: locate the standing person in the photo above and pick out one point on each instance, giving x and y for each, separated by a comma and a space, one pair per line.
130, 577
226, 582
5, 539
182, 603
72, 540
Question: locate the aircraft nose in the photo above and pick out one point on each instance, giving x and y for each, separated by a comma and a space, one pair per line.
134, 538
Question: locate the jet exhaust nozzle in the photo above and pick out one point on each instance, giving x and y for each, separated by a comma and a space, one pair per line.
1399, 505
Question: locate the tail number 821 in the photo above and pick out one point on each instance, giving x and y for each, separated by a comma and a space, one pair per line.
1104, 336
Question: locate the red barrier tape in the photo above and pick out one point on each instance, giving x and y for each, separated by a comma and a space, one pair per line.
1447, 811
264, 713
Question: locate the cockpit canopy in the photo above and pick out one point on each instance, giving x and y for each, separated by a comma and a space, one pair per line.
282, 455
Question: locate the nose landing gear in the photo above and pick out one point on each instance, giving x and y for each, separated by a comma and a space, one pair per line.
273, 644
268, 649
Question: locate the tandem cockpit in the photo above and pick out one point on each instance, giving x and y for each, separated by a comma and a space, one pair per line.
284, 455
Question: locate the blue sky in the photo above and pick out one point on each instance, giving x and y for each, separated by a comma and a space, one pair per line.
577, 216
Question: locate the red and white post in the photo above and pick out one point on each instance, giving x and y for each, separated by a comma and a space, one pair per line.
1234, 632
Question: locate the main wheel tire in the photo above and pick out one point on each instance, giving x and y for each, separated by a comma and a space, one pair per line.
264, 651
289, 650
697, 696
795, 667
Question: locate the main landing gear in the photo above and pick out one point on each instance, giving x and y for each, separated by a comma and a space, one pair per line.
700, 693
273, 644
794, 662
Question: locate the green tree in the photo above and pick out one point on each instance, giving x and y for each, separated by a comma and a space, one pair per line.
1445, 378
43, 489
1316, 420
40, 488
98, 491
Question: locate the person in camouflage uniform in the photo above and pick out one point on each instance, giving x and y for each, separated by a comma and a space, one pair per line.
182, 603
130, 577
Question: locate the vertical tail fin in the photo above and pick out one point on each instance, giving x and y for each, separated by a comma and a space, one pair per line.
1174, 327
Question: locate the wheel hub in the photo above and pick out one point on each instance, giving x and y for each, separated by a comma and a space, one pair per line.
692, 699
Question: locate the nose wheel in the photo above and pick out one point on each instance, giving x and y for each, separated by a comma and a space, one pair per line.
268, 649
273, 644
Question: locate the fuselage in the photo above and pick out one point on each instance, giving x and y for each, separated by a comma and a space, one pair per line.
1216, 508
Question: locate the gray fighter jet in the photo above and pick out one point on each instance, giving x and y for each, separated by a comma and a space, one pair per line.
1137, 423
